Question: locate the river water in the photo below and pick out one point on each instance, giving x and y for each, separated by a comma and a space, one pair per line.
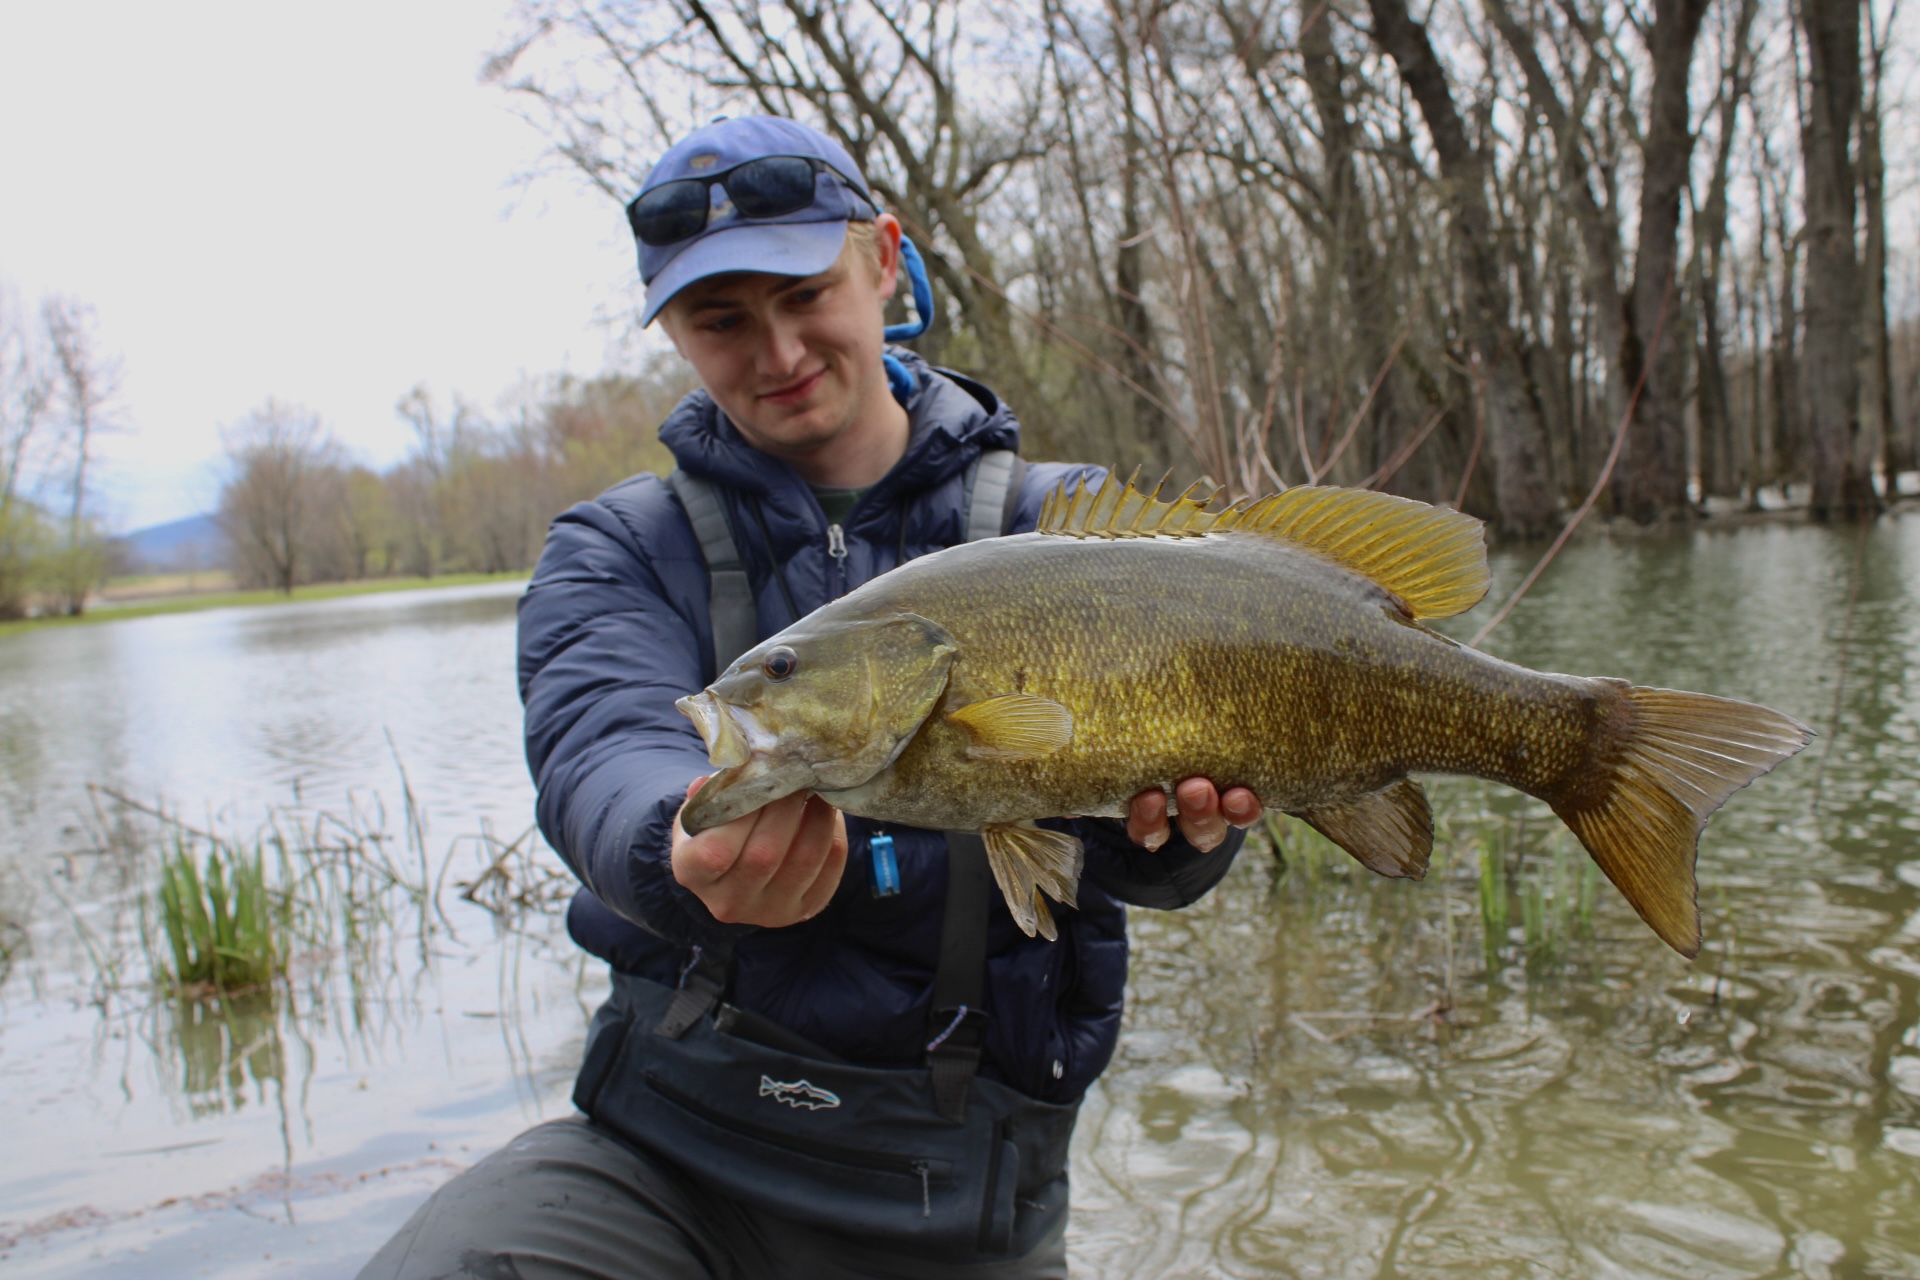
1322, 1073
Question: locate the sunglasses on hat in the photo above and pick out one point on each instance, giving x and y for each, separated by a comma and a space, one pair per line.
769, 187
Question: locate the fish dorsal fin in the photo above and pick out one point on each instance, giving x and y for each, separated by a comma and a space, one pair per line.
1432, 559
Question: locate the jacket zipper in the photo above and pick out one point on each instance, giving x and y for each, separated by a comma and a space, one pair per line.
926, 1171
837, 552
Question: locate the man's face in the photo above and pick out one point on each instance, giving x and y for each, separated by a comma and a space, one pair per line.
792, 360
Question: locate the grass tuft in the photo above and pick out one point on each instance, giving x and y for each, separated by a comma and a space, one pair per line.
224, 927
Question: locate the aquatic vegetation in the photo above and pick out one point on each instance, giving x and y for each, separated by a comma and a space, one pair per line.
206, 912
14, 914
225, 1045
1556, 902
1491, 884
515, 878
1532, 893
226, 930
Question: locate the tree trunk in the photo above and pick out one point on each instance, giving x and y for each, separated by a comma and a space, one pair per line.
1516, 433
1842, 487
1725, 468
1652, 481
1876, 365
1643, 332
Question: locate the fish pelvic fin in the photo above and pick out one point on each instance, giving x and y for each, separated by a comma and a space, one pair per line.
1014, 726
1029, 862
1432, 559
1667, 760
1390, 831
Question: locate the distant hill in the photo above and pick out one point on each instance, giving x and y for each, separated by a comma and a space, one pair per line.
178, 545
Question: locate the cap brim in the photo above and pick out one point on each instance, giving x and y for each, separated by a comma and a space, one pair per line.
776, 248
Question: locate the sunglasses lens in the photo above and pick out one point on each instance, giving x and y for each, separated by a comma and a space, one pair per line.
670, 212
771, 186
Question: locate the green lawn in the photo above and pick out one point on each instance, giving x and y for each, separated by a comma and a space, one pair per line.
229, 599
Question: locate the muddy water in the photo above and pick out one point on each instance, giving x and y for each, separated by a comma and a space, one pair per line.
1322, 1074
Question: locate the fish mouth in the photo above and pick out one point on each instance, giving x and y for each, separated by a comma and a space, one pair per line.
750, 776
719, 728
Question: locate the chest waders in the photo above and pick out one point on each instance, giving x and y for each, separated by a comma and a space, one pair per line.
930, 1158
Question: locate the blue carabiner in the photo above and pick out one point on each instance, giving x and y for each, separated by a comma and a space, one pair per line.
899, 381
922, 296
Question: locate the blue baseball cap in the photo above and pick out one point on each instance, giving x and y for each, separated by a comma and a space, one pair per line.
800, 243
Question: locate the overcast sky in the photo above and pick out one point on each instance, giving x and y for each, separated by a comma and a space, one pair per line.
310, 201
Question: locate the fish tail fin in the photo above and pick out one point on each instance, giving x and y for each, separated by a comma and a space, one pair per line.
1669, 759
1029, 862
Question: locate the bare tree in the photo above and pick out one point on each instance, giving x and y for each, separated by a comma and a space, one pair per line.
1527, 503
26, 404
279, 506
87, 383
1282, 240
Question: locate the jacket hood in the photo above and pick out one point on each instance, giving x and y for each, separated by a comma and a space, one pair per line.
951, 418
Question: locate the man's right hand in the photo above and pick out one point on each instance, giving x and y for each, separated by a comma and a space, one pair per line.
773, 867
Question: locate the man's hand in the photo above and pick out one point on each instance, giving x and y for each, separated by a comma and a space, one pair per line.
773, 867
1204, 814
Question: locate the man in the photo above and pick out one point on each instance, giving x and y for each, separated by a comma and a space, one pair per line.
795, 944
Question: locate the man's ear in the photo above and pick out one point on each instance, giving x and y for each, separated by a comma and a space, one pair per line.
887, 233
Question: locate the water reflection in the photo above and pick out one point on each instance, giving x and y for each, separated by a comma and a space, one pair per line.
229, 1049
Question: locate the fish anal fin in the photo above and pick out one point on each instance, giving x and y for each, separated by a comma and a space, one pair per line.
1014, 726
1431, 559
1389, 832
1670, 759
1029, 862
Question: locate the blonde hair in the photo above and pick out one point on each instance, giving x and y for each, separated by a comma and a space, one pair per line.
864, 238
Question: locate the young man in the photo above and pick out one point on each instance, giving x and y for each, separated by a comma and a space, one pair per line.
918, 1058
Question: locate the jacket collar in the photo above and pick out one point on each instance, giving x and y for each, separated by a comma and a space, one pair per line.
950, 420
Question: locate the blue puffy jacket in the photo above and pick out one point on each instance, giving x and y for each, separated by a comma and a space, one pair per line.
614, 627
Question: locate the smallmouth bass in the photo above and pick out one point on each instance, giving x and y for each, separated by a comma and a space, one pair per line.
1278, 644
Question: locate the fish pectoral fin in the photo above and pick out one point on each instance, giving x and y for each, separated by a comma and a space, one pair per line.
1030, 861
1389, 831
1014, 726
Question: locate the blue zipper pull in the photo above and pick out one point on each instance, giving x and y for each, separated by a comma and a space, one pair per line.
886, 868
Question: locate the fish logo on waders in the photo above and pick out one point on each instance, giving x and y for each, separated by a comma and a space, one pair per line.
800, 1093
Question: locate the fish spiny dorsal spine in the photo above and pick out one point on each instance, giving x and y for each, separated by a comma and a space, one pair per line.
1121, 509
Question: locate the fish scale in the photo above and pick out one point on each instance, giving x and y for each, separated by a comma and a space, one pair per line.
1132, 642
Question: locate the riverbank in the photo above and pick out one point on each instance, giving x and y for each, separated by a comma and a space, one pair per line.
110, 611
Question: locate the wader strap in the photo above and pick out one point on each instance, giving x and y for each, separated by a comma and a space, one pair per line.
993, 490
736, 623
957, 1020
702, 983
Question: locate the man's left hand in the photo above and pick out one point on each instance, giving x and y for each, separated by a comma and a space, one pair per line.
1204, 814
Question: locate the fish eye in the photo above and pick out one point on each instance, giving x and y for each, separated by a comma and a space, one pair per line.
780, 663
